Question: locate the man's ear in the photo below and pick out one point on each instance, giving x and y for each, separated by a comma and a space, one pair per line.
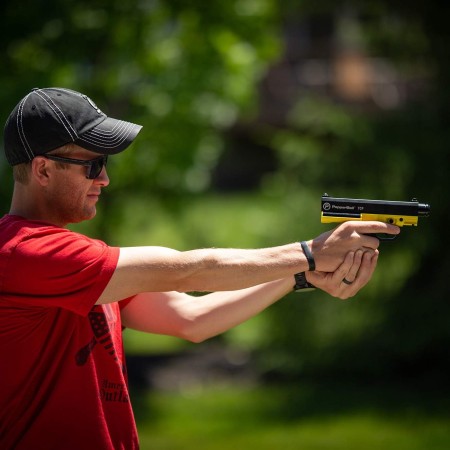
39, 170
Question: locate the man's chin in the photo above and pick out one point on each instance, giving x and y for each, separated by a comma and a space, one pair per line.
87, 216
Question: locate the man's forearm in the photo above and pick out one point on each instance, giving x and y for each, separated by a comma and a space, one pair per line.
157, 269
200, 318
228, 269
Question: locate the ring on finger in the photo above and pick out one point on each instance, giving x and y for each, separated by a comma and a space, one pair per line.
346, 281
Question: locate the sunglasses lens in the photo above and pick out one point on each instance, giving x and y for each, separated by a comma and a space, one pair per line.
96, 167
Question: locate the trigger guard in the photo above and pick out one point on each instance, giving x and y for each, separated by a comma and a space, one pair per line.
384, 236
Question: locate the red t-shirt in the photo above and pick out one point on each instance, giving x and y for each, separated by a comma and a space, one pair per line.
63, 380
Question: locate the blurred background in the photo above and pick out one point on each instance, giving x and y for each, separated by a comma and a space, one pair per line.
252, 109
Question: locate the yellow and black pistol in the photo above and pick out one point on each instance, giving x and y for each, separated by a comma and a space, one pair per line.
398, 213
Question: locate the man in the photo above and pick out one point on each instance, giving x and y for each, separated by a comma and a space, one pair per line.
64, 297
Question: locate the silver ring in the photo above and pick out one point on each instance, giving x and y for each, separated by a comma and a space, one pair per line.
346, 281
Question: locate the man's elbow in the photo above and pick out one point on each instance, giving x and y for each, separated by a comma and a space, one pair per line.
191, 332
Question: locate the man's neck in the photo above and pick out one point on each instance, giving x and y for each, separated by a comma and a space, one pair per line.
28, 207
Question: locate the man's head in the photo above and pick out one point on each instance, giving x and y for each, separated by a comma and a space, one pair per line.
46, 119
58, 141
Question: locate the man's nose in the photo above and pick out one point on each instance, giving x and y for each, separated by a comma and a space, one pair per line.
103, 178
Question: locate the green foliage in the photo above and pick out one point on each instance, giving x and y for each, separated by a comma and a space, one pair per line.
189, 72
399, 324
184, 70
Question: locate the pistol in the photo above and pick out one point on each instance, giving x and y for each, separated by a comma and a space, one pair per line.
396, 212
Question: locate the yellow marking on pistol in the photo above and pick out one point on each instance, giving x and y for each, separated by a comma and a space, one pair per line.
400, 221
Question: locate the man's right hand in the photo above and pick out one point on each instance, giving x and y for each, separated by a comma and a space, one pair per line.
328, 248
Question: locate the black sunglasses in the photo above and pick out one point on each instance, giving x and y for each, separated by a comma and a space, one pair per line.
95, 165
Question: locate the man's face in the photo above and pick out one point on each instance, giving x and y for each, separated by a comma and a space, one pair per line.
70, 195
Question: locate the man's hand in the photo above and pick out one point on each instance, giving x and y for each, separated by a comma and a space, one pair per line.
351, 236
354, 273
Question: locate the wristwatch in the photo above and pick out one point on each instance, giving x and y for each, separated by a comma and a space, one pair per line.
302, 284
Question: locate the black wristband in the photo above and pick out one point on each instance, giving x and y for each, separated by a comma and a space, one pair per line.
301, 283
309, 256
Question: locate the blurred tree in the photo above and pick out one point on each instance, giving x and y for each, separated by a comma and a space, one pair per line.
367, 116
357, 104
185, 70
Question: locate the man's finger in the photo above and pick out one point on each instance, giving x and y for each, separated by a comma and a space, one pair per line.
344, 268
352, 274
367, 268
372, 227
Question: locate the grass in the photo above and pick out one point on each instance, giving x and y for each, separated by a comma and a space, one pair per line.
307, 417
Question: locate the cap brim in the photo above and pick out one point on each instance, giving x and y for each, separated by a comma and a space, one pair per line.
109, 137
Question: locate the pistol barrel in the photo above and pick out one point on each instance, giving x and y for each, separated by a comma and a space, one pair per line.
424, 209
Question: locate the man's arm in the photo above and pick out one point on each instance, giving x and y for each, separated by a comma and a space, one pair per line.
199, 318
158, 269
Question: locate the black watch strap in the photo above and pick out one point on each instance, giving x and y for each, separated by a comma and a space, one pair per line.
301, 283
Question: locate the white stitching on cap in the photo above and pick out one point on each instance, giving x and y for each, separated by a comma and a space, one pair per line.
106, 138
110, 141
62, 118
83, 96
62, 114
95, 136
113, 135
21, 131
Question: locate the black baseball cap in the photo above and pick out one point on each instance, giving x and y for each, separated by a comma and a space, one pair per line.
49, 118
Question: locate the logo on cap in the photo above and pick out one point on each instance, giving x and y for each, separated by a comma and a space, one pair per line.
92, 104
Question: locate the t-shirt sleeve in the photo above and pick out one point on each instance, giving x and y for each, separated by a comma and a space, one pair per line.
61, 268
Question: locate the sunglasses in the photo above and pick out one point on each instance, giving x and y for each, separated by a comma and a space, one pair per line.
95, 165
